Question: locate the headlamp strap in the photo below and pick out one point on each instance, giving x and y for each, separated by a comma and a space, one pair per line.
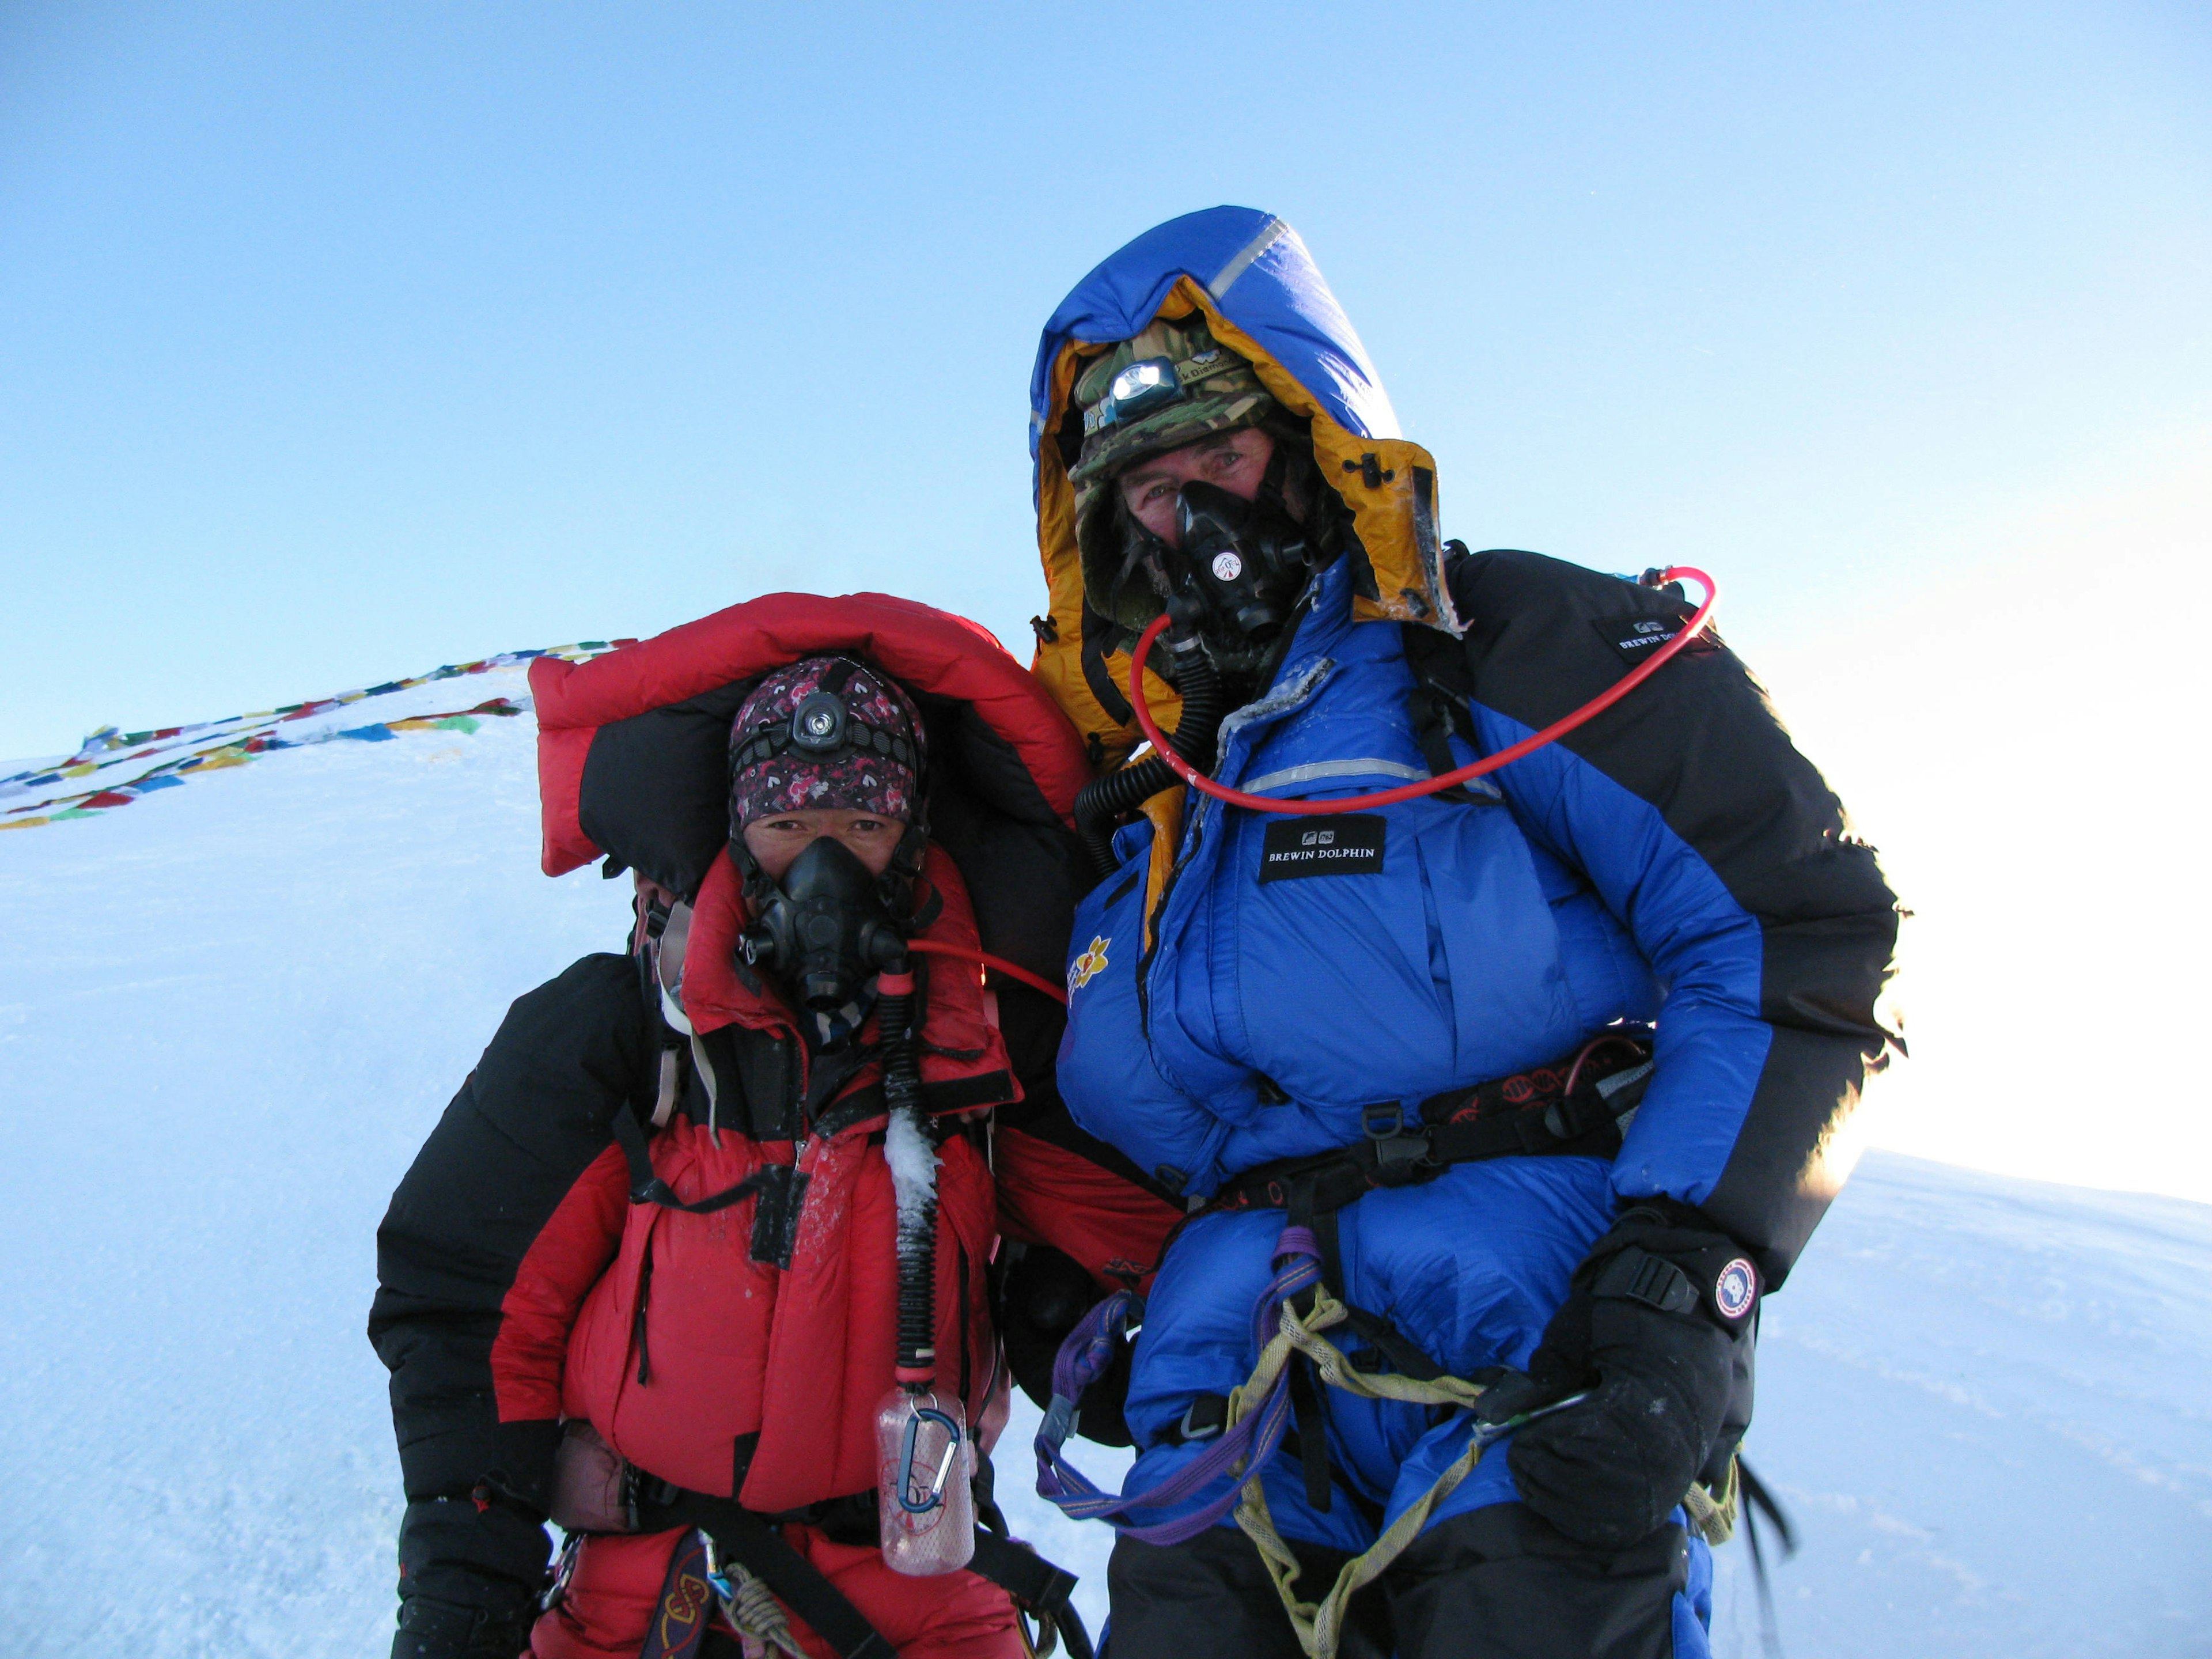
770, 741
857, 736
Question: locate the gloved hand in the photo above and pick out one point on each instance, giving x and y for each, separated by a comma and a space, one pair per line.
471, 1570
430, 1629
1659, 1325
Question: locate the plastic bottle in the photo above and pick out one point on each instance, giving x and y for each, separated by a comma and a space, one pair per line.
926, 1466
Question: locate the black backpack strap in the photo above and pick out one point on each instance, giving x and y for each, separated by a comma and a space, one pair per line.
1042, 1589
1437, 705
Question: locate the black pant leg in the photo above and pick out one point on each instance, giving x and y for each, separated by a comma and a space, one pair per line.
1212, 1599
1500, 1583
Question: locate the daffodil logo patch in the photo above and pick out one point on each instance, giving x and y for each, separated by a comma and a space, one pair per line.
1092, 961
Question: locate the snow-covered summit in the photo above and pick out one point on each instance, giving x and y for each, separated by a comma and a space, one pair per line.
230, 1014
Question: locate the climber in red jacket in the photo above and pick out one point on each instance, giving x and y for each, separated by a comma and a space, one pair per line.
645, 1277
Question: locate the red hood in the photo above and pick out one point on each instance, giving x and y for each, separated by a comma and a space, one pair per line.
932, 653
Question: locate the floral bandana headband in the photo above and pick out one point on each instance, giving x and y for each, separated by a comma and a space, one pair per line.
825, 732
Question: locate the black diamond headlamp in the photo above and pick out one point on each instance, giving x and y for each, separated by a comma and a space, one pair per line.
1150, 384
817, 725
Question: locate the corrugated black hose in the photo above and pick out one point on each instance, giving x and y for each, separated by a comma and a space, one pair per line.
917, 1249
1102, 801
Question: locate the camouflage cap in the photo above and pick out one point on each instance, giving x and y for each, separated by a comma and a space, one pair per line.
1219, 392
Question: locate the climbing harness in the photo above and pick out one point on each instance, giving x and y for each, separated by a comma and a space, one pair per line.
749, 1604
1258, 1412
1576, 1107
1573, 1109
761, 1582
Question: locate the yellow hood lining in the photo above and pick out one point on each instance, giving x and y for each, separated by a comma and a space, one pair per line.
1388, 483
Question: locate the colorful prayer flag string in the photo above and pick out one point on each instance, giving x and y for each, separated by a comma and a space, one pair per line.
237, 739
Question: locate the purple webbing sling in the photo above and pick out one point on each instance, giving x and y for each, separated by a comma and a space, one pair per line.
1089, 1351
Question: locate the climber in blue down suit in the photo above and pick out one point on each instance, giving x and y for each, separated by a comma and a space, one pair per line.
1551, 1066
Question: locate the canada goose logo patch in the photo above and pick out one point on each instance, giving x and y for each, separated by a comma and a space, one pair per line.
1092, 961
1734, 1291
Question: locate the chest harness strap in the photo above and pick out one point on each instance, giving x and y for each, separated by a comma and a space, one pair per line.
1575, 1108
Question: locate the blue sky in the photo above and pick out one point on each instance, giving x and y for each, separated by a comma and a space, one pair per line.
338, 341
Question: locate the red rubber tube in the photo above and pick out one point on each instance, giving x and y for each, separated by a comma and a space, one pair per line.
931, 948
1528, 745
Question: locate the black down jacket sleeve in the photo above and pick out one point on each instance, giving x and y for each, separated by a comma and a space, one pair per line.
1729, 859
509, 1184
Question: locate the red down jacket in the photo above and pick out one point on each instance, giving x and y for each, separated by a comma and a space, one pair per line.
741, 1352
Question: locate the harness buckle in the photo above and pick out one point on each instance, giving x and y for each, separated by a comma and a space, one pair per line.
1399, 1154
1059, 1420
1205, 1416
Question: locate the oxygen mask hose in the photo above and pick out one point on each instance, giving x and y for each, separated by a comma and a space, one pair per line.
1034, 981
1104, 800
925, 1500
1169, 757
917, 1222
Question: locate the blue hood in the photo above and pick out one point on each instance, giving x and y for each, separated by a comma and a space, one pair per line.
1259, 275
1252, 279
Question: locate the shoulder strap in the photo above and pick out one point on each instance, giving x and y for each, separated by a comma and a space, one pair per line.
646, 1187
1443, 684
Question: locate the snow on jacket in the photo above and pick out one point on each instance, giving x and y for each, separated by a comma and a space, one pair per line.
1675, 858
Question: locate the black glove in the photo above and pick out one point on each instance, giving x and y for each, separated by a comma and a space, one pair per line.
470, 1571
431, 1629
1659, 1325
1045, 1296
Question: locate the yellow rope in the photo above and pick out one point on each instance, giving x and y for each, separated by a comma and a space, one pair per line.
1320, 1624
1713, 1513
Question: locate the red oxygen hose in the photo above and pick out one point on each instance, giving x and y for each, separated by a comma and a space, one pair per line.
1528, 745
931, 948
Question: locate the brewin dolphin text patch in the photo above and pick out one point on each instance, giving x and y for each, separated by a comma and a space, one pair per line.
1351, 845
1636, 637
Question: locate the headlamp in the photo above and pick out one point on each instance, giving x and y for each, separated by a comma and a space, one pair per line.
1140, 385
817, 725
1153, 384
1135, 393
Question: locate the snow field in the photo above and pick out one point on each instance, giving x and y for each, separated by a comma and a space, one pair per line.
230, 1013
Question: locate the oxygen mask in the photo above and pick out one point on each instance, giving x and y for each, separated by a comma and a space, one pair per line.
824, 929
1236, 577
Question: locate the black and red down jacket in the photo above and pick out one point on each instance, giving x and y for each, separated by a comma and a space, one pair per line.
742, 1352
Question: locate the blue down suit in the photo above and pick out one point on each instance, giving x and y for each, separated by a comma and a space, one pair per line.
1237, 997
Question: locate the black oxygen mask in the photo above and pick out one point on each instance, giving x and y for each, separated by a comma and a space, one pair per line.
824, 929
1236, 577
